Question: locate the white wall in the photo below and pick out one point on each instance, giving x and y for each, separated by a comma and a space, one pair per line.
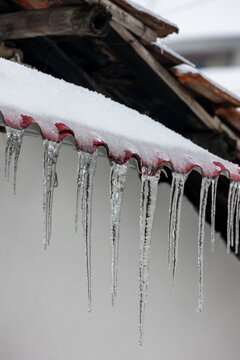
43, 302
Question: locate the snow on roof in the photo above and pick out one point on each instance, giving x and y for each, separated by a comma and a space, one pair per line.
28, 95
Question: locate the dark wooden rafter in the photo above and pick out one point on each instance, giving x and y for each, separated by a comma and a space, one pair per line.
230, 115
82, 20
48, 52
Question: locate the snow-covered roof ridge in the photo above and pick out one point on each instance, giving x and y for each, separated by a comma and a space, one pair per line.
28, 95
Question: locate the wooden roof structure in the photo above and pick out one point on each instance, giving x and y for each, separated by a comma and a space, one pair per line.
116, 50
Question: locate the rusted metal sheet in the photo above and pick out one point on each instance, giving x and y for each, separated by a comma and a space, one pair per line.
202, 87
230, 115
161, 26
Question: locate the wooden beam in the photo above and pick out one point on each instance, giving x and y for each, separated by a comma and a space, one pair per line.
46, 51
212, 122
123, 18
81, 20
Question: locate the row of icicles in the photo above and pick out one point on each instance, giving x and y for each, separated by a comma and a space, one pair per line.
149, 188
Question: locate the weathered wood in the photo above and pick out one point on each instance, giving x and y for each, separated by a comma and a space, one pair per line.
212, 122
10, 52
201, 86
47, 51
230, 115
160, 25
125, 19
81, 20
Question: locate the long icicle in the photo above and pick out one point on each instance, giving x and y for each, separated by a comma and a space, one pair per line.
13, 147
214, 183
180, 182
50, 156
147, 209
88, 172
233, 210
170, 221
117, 185
237, 220
232, 200
79, 185
206, 182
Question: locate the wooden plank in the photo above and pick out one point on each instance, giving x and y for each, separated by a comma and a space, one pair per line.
207, 119
203, 87
141, 23
230, 115
70, 20
125, 19
160, 25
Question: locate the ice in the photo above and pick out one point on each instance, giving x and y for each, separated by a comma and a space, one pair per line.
206, 182
79, 185
117, 185
85, 177
177, 190
237, 220
50, 156
214, 183
232, 203
147, 209
171, 203
13, 148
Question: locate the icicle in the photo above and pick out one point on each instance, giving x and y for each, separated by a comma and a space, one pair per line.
13, 147
171, 204
117, 184
79, 185
50, 155
147, 210
237, 220
175, 218
87, 166
232, 202
214, 183
206, 182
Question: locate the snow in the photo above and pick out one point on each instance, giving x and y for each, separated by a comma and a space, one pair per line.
198, 18
186, 69
93, 118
